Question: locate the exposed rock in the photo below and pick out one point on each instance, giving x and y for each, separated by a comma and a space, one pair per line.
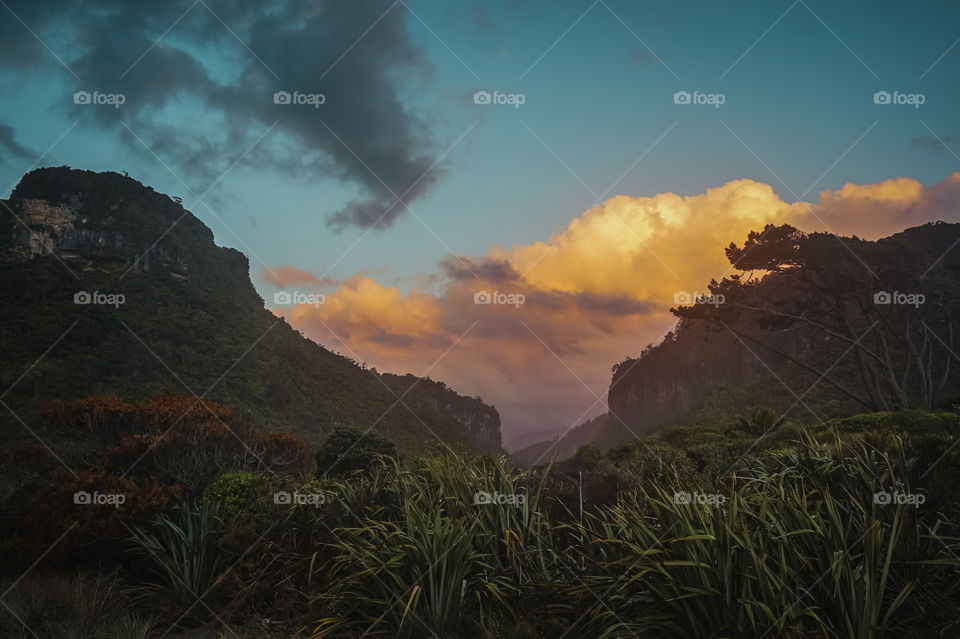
39, 227
101, 227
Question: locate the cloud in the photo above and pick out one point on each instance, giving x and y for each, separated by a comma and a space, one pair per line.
595, 292
10, 148
224, 63
877, 210
460, 267
939, 143
284, 276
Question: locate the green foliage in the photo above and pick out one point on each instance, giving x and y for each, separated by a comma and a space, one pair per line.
233, 493
760, 422
180, 553
799, 548
588, 457
908, 421
347, 450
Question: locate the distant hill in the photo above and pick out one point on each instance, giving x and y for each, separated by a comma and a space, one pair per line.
190, 319
523, 440
562, 446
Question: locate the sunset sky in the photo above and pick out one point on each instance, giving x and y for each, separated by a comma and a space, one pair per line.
597, 199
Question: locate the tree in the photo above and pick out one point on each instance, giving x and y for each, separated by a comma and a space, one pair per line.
891, 303
348, 449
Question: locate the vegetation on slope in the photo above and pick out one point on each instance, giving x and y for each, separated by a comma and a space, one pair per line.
207, 335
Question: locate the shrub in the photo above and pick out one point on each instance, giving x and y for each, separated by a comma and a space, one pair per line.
283, 452
106, 417
55, 508
907, 421
239, 492
347, 450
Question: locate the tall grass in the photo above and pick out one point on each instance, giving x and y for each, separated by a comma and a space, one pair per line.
797, 549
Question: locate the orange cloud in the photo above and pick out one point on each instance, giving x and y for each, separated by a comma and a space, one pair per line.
595, 292
284, 276
878, 210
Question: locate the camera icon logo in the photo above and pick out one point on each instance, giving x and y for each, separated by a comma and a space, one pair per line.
482, 497
82, 297
881, 97
681, 97
82, 497
81, 97
283, 498
282, 297
281, 97
482, 297
681, 497
481, 97
882, 297
882, 498
683, 298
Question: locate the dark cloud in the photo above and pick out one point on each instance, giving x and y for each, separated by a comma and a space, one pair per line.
487, 269
400, 340
930, 142
616, 305
10, 148
224, 69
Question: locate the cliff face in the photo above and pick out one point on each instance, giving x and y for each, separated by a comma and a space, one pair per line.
101, 220
481, 421
669, 378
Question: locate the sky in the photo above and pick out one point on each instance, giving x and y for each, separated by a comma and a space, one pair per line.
587, 160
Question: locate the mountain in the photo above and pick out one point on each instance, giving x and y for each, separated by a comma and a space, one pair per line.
529, 438
810, 340
109, 287
482, 422
563, 445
